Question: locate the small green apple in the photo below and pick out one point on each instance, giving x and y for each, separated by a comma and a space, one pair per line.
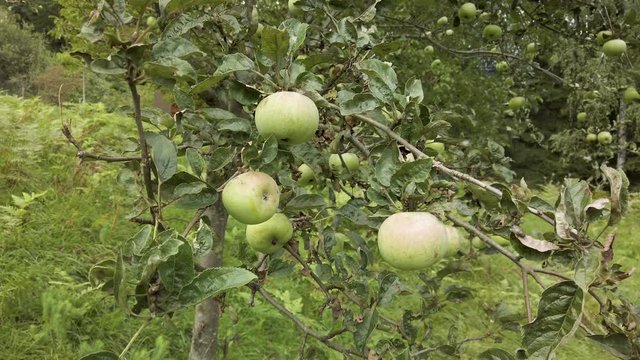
269, 236
485, 16
350, 159
293, 8
614, 47
603, 36
307, 175
630, 94
413, 240
443, 21
449, 32
582, 116
429, 49
436, 63
152, 22
531, 48
517, 102
492, 32
438, 147
605, 138
592, 138
251, 198
467, 12
289, 116
502, 66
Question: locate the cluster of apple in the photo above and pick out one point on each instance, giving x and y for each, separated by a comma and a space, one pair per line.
604, 137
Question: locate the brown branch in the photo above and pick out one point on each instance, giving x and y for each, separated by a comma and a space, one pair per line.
306, 267
83, 154
302, 326
144, 149
196, 218
527, 299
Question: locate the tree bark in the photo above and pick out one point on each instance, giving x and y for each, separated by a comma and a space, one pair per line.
622, 137
204, 340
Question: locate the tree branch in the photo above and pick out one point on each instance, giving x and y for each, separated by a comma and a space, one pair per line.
82, 154
308, 269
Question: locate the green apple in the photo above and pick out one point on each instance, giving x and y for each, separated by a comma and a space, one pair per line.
492, 32
517, 102
502, 66
289, 116
443, 21
592, 138
465, 143
485, 16
449, 32
436, 63
251, 198
603, 36
582, 116
614, 47
294, 9
531, 48
429, 49
467, 12
630, 94
453, 241
412, 240
350, 159
604, 138
152, 22
269, 236
438, 147
307, 175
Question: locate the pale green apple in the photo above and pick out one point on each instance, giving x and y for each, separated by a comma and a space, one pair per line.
438, 147
467, 12
615, 47
152, 21
603, 36
502, 66
429, 49
443, 21
350, 159
289, 116
592, 138
269, 236
307, 175
251, 198
485, 16
517, 102
449, 32
436, 63
630, 94
492, 32
605, 138
412, 240
582, 116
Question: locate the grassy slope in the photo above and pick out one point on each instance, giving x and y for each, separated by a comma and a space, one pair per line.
48, 310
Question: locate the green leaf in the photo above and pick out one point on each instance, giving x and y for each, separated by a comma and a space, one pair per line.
275, 45
387, 164
220, 157
171, 68
204, 240
617, 344
360, 103
172, 6
164, 154
382, 79
411, 172
390, 286
178, 270
413, 89
297, 33
115, 65
306, 201
174, 47
137, 244
119, 282
230, 64
619, 197
235, 125
269, 150
182, 24
213, 282
189, 188
195, 161
559, 314
183, 99
495, 354
101, 355
365, 328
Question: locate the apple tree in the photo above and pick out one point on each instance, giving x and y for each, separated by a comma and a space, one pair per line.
314, 127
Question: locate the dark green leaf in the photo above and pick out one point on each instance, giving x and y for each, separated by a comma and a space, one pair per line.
360, 103
172, 6
174, 47
619, 187
230, 64
178, 270
164, 154
182, 24
137, 244
387, 165
382, 79
213, 282
195, 161
115, 65
411, 172
183, 99
275, 45
189, 188
204, 240
617, 344
559, 314
390, 286
269, 150
297, 33
365, 328
495, 354
101, 355
235, 125
220, 157
306, 201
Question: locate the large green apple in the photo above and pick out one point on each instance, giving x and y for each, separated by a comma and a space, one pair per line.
582, 116
412, 240
592, 138
467, 12
269, 236
443, 21
251, 198
630, 94
350, 159
604, 138
453, 241
492, 32
603, 36
307, 175
289, 116
615, 47
517, 102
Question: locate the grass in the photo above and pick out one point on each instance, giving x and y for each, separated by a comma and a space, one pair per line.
50, 310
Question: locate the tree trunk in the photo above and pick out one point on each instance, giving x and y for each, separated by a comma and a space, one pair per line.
622, 137
204, 341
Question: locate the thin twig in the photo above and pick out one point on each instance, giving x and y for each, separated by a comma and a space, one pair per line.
135, 336
306, 267
82, 154
196, 218
527, 299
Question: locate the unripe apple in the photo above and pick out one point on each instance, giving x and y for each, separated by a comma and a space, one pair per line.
485, 16
438, 147
531, 48
307, 175
449, 32
289, 116
492, 32
269, 236
631, 94
251, 198
429, 49
152, 22
582, 116
517, 102
351, 160
603, 36
467, 12
293, 8
413, 240
436, 63
592, 138
443, 21
502, 66
605, 138
614, 47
